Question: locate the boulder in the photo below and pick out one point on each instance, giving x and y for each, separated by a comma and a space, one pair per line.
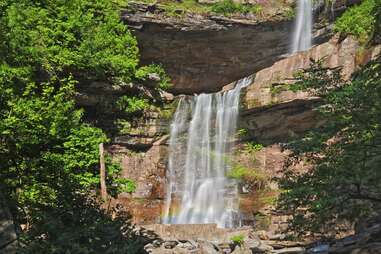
207, 247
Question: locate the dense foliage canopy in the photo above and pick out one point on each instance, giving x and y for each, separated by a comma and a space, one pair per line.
344, 182
48, 155
359, 20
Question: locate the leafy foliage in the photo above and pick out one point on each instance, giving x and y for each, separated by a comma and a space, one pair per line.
225, 7
344, 181
84, 38
238, 239
48, 155
251, 147
132, 104
360, 20
81, 228
242, 132
228, 7
253, 178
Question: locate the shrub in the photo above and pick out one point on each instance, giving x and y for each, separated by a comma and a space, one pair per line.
229, 7
238, 239
251, 147
358, 21
254, 178
242, 132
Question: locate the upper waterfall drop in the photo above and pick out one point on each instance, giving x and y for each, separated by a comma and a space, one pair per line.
201, 138
302, 38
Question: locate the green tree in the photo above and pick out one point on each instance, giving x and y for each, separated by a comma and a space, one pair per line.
344, 182
48, 154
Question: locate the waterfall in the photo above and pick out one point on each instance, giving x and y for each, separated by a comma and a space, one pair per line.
302, 38
201, 138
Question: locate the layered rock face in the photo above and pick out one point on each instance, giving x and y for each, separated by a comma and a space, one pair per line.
201, 54
143, 159
273, 113
270, 114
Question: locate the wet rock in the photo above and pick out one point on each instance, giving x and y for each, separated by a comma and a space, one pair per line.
207, 247
252, 243
179, 250
262, 248
285, 244
262, 234
170, 244
294, 250
319, 249
242, 250
225, 248
157, 243
277, 237
149, 247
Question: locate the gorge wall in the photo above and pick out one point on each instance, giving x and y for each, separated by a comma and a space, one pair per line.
202, 53
270, 112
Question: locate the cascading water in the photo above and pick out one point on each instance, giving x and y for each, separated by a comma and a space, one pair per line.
302, 38
201, 138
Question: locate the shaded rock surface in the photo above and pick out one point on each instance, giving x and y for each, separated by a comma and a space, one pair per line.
8, 237
147, 170
202, 53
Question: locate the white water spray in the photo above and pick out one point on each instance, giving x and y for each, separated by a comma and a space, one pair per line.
198, 189
302, 38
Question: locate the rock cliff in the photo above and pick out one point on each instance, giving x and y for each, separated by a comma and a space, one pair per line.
202, 53
270, 114
273, 113
205, 53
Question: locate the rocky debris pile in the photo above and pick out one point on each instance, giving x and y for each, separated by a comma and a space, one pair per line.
252, 244
208, 239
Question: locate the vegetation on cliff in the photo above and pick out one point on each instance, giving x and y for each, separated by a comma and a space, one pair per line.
258, 9
344, 182
342, 185
48, 154
359, 20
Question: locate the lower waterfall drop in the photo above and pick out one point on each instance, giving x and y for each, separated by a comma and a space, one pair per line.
201, 138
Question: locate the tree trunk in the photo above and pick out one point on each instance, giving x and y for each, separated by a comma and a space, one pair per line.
102, 172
